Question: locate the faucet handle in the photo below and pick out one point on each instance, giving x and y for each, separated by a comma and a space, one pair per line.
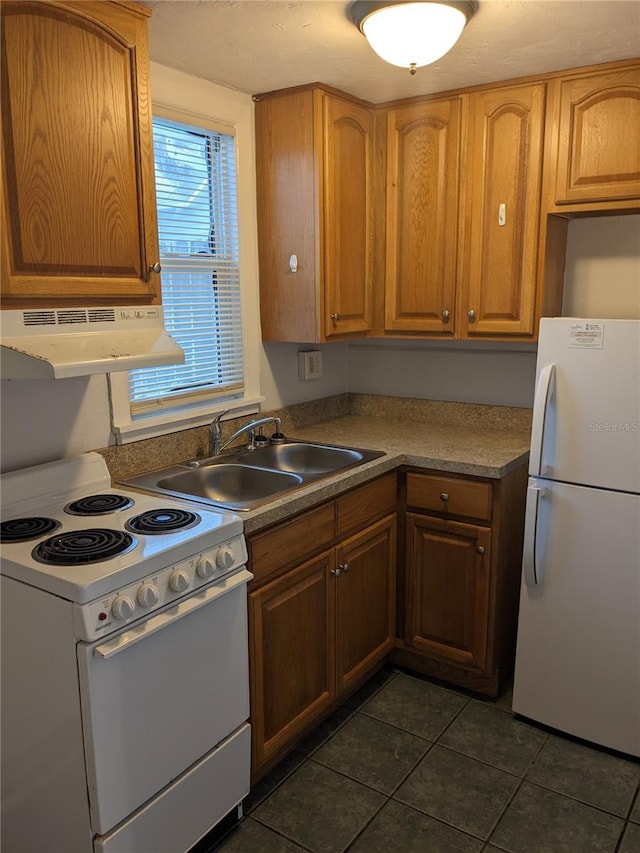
260, 440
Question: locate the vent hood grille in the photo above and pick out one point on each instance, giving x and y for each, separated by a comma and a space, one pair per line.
65, 316
58, 343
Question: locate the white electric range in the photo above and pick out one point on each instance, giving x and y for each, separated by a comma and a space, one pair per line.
124, 664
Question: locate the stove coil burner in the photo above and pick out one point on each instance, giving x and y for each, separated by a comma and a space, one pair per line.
81, 547
98, 505
24, 529
156, 521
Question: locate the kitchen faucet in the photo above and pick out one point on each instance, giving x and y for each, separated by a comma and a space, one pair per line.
217, 445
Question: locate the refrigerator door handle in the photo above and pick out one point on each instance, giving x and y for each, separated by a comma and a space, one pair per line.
532, 569
544, 392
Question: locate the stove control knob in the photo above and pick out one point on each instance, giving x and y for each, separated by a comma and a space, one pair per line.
179, 581
206, 567
122, 607
148, 595
224, 557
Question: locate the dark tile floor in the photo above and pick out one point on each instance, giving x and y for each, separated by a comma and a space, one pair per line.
413, 767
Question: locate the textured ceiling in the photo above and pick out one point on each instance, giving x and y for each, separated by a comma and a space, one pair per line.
261, 45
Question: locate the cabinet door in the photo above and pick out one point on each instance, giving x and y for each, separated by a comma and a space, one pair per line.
78, 178
423, 156
598, 154
348, 217
502, 211
365, 600
291, 639
447, 596
287, 211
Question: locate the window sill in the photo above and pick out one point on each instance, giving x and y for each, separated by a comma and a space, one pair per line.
161, 424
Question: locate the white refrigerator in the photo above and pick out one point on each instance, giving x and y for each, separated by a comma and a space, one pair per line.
578, 650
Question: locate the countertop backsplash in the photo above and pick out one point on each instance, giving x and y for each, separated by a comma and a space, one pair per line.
128, 460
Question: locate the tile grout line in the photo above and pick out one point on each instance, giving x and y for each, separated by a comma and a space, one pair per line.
307, 756
283, 835
515, 793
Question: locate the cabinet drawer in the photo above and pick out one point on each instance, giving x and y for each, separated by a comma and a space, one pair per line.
450, 495
364, 505
292, 541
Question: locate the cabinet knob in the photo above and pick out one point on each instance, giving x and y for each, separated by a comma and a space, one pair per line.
344, 567
471, 314
335, 317
445, 316
336, 572
444, 496
155, 267
480, 550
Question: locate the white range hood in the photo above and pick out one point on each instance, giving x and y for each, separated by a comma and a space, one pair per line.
57, 343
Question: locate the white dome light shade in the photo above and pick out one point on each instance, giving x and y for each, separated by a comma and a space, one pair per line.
414, 34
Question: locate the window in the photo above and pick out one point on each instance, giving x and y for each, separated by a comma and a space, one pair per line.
198, 231
205, 188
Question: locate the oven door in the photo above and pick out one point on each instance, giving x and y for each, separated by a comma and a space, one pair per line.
160, 695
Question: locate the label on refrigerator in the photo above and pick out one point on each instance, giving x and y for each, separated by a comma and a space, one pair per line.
586, 335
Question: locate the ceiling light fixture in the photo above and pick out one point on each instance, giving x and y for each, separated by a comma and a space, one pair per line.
412, 33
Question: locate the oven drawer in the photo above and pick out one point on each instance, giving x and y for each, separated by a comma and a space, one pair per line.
160, 695
181, 815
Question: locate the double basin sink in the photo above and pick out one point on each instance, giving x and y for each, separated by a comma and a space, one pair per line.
245, 479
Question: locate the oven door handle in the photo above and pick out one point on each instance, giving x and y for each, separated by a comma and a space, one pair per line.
156, 623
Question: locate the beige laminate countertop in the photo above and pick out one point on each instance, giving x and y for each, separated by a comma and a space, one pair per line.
455, 449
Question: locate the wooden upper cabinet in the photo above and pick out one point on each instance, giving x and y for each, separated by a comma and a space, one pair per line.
597, 151
505, 148
348, 217
77, 160
314, 155
423, 167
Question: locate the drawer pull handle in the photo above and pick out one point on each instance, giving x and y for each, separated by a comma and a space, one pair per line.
155, 267
471, 314
335, 317
336, 572
344, 567
480, 550
444, 496
445, 316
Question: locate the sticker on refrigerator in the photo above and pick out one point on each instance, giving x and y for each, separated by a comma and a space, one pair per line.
586, 335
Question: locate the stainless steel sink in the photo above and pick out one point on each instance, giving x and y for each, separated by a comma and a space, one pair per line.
243, 479
303, 458
235, 486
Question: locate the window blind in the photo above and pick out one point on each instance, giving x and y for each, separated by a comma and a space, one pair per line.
198, 231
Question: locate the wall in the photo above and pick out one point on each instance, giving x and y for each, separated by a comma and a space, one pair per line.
468, 373
279, 381
46, 419
602, 273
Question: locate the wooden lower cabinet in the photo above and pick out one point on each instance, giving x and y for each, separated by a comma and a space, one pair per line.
461, 577
448, 589
323, 606
365, 601
321, 627
292, 654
